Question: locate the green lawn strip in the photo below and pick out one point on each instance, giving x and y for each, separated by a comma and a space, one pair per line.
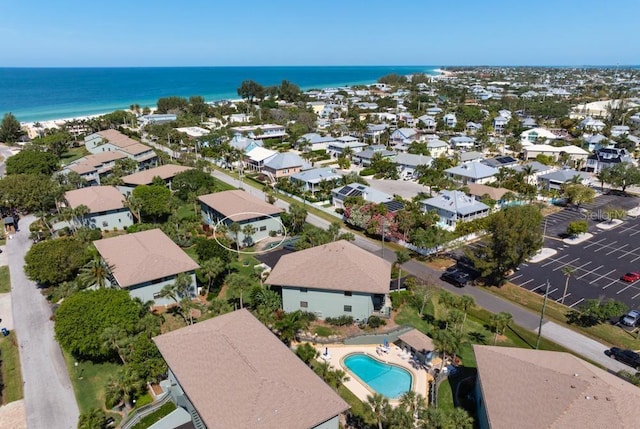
323, 331
191, 251
5, 279
164, 410
11, 374
73, 154
90, 389
604, 332
445, 395
142, 401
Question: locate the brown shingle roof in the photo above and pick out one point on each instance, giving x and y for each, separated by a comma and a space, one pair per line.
116, 138
542, 389
145, 177
96, 198
143, 256
477, 189
340, 265
82, 168
136, 149
237, 374
238, 205
100, 158
417, 340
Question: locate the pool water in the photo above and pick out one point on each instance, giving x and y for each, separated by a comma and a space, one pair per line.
388, 380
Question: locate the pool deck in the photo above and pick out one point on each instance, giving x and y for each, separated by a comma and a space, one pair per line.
394, 356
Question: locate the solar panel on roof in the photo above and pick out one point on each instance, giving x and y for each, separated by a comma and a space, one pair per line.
361, 187
394, 206
355, 193
345, 190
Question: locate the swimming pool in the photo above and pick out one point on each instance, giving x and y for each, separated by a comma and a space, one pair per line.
388, 380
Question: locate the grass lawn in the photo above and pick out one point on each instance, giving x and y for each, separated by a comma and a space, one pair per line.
191, 251
323, 331
607, 333
5, 280
152, 418
89, 380
11, 375
358, 408
73, 154
186, 211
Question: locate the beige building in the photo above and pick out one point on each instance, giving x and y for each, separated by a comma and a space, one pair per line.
145, 177
232, 372
537, 389
105, 208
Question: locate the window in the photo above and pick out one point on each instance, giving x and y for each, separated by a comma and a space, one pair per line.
304, 304
263, 228
347, 309
303, 289
157, 295
347, 293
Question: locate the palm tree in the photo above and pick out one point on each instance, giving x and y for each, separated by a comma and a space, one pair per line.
177, 291
528, 171
96, 272
211, 269
500, 322
568, 272
402, 256
237, 284
466, 302
79, 213
380, 407
289, 325
235, 228
114, 338
123, 387
248, 232
135, 206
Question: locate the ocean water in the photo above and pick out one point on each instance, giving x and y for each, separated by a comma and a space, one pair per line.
40, 94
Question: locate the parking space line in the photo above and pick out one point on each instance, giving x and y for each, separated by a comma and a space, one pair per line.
590, 272
635, 259
552, 291
553, 260
613, 282
605, 275
634, 233
583, 265
528, 281
635, 296
564, 264
605, 246
538, 287
618, 249
516, 277
629, 252
576, 303
622, 290
594, 243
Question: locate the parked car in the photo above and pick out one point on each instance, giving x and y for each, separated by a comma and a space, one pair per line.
631, 318
456, 278
628, 357
631, 277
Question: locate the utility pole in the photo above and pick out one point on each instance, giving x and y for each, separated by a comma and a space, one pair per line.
383, 225
544, 305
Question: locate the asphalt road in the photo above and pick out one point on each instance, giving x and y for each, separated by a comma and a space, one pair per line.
563, 336
48, 394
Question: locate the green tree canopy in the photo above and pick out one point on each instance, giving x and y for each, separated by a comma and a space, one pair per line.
55, 261
32, 162
173, 104
82, 318
621, 175
192, 181
29, 192
515, 237
155, 201
249, 90
10, 130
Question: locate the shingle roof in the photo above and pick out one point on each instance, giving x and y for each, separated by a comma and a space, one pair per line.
417, 340
237, 374
284, 160
143, 256
238, 205
340, 265
479, 190
412, 160
96, 198
543, 389
116, 138
455, 202
475, 170
145, 177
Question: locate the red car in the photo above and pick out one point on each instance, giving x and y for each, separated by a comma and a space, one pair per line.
631, 277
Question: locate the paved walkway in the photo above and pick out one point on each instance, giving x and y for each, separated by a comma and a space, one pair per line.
48, 393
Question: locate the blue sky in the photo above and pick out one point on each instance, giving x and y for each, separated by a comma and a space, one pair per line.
74, 33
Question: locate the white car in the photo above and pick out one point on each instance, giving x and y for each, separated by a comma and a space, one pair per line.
631, 318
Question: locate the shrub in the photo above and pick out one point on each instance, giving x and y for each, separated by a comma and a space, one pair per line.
375, 322
339, 321
399, 298
367, 171
308, 316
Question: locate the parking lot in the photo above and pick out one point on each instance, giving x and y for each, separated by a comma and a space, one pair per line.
596, 264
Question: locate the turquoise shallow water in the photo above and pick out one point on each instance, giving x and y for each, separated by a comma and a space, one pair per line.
38, 94
388, 380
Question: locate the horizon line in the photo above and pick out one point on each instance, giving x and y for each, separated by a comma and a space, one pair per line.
333, 66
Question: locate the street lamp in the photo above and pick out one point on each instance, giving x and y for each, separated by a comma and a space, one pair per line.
544, 306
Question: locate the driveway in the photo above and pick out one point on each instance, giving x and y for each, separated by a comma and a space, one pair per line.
48, 393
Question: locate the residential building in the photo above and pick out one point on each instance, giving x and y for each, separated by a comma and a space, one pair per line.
575, 153
462, 143
479, 191
500, 161
433, 111
472, 156
548, 389
450, 120
537, 169
374, 131
428, 123
607, 157
144, 262
357, 190
473, 127
592, 125
232, 372
105, 205
194, 132
333, 280
407, 164
437, 148
283, 164
536, 135
407, 118
556, 179
598, 141
453, 207
315, 179
340, 145
94, 167
261, 132
403, 135
145, 177
499, 123
313, 142
115, 141
528, 123
237, 206
255, 158
471, 172
619, 130
156, 119
365, 157
244, 144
